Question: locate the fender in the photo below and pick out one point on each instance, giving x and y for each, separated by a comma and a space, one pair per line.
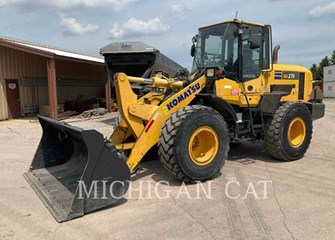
271, 101
220, 105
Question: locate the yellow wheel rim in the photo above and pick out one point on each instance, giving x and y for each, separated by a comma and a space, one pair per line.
203, 145
296, 132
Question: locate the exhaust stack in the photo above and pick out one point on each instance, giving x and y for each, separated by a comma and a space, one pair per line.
275, 54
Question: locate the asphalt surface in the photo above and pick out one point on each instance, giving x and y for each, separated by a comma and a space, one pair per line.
298, 202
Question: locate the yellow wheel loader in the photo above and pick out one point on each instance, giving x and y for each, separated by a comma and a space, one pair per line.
236, 92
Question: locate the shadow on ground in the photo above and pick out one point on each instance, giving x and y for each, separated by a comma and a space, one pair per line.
249, 152
246, 153
110, 121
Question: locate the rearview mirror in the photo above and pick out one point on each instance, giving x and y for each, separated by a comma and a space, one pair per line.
255, 41
194, 39
193, 50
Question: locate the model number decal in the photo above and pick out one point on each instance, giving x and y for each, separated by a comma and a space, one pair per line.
291, 75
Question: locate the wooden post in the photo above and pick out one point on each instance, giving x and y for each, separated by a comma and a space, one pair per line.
108, 94
52, 88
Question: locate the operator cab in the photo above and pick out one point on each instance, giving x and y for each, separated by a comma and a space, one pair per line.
241, 49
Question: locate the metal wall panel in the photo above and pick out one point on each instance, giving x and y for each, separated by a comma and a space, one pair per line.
43, 82
15, 64
78, 70
3, 100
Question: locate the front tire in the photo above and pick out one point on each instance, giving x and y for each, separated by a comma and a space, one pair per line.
194, 143
288, 134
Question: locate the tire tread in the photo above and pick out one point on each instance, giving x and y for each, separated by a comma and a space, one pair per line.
167, 140
272, 141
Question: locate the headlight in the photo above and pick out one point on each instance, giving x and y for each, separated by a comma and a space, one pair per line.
210, 72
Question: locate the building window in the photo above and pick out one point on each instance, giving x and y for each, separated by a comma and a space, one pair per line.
330, 71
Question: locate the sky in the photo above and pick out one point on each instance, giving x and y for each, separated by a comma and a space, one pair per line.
305, 29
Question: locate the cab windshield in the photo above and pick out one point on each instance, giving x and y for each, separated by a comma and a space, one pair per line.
218, 45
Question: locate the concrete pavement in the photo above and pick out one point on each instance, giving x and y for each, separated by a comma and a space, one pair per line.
299, 201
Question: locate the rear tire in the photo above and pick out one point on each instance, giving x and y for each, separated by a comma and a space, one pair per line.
194, 143
288, 134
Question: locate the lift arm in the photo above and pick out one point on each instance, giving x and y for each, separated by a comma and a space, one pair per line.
135, 112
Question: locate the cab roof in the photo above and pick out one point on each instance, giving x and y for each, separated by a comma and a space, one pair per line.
235, 21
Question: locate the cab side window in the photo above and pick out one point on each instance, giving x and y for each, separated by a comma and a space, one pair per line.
252, 53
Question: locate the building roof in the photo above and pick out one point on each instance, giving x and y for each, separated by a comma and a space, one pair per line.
45, 50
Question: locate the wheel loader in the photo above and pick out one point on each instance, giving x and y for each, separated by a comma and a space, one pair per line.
236, 92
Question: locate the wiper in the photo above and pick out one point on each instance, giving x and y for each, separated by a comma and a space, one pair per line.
198, 69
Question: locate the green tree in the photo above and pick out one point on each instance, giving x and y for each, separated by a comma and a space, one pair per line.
332, 58
324, 63
314, 70
317, 69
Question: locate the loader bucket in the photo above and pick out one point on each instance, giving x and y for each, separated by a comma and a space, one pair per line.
74, 172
